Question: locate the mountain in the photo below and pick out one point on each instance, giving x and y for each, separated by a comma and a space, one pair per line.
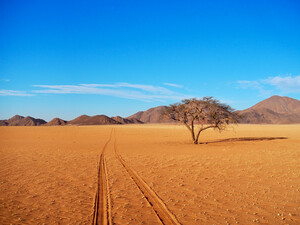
3, 123
93, 120
56, 122
135, 121
126, 121
153, 115
22, 121
274, 110
81, 120
278, 104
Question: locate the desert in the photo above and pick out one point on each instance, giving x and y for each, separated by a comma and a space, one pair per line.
149, 112
246, 174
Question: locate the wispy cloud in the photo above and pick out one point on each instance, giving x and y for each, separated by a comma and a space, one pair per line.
288, 84
121, 90
284, 84
142, 87
173, 85
4, 80
256, 85
14, 93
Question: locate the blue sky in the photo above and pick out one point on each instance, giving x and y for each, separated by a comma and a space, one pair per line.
67, 58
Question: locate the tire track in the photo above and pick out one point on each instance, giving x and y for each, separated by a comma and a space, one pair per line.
102, 204
159, 207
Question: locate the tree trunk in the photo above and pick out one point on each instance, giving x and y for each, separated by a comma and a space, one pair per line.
193, 135
192, 130
197, 137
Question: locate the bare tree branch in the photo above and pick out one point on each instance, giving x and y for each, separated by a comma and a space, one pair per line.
206, 112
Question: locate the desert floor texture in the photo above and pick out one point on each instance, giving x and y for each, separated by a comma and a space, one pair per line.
149, 174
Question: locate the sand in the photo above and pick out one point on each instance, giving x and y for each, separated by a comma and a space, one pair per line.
49, 175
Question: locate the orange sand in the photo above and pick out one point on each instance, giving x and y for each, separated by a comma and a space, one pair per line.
49, 174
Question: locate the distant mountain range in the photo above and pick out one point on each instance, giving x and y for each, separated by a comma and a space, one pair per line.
81, 120
22, 121
274, 110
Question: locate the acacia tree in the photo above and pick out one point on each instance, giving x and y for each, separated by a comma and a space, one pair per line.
202, 114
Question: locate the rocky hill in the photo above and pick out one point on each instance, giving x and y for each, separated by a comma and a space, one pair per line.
274, 110
56, 122
81, 120
126, 121
93, 120
22, 121
153, 115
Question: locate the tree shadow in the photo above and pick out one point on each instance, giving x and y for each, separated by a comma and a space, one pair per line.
244, 139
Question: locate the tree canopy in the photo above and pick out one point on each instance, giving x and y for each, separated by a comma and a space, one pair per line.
202, 114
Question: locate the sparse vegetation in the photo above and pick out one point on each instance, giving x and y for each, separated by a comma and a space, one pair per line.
202, 114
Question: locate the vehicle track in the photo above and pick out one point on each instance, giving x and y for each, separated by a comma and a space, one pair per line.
102, 204
159, 207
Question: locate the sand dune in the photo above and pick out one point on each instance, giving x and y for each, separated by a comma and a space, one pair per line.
151, 173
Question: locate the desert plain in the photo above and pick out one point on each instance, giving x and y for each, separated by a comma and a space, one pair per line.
248, 174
